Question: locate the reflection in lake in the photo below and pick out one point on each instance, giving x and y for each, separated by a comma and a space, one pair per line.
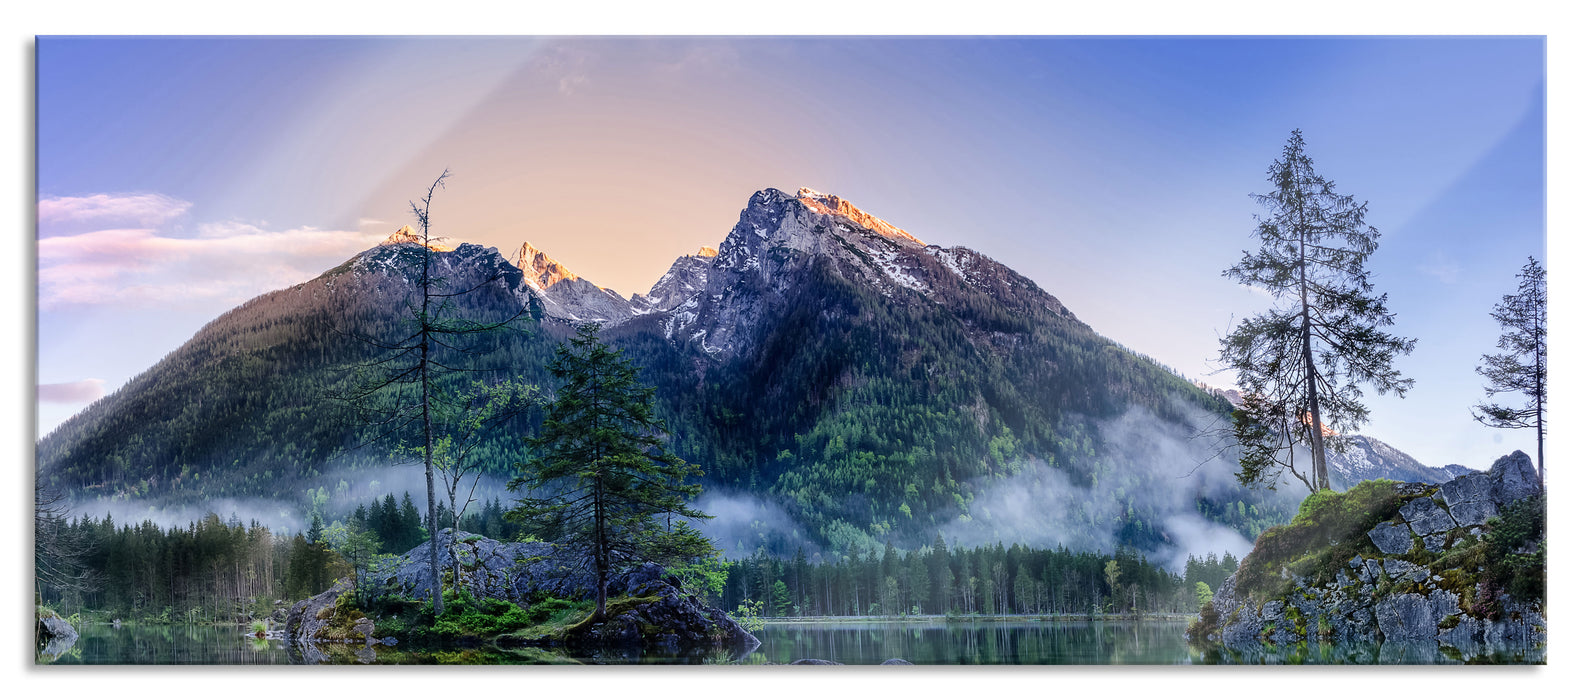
851, 642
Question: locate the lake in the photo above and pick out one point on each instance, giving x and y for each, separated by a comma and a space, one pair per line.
932, 641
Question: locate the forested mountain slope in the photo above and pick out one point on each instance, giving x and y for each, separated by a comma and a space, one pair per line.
821, 363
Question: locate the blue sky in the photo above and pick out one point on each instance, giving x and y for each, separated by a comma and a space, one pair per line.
179, 177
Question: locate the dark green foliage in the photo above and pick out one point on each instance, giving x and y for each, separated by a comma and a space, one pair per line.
600, 478
466, 616
1206, 622
398, 528
209, 571
873, 418
1518, 550
997, 580
1301, 364
1329, 530
1523, 367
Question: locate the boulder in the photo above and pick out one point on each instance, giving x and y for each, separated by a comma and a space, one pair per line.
816, 662
1426, 517
51, 629
1406, 616
1470, 498
895, 662
310, 619
1391, 538
489, 569
1514, 479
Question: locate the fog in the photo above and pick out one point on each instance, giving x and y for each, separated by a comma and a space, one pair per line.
743, 523
279, 516
345, 489
1146, 469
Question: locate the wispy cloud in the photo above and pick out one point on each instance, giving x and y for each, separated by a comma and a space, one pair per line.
225, 262
81, 391
567, 66
1440, 267
114, 210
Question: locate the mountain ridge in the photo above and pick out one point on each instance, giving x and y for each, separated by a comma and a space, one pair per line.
870, 385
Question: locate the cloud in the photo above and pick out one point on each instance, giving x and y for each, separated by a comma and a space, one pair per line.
567, 66
1147, 468
1441, 268
81, 391
114, 210
227, 262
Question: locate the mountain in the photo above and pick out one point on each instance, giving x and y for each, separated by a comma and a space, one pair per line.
1372, 458
1369, 458
841, 382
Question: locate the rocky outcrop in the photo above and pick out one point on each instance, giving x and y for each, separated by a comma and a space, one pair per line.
1402, 589
657, 615
489, 569
647, 611
53, 635
311, 619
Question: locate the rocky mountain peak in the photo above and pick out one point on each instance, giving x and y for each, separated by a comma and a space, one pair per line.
835, 206
405, 234
706, 252
540, 270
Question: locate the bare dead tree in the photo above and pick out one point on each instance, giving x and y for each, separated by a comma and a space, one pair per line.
399, 391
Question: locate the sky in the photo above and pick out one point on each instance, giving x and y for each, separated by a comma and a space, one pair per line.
179, 177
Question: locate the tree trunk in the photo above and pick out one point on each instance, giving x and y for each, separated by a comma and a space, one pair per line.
1538, 403
601, 560
1315, 424
428, 440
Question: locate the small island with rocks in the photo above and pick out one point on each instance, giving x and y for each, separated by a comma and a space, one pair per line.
514, 597
1458, 565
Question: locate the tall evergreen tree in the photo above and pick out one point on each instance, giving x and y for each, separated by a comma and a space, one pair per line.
1301, 364
1523, 367
600, 476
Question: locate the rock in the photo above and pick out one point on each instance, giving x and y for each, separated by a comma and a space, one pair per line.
309, 619
1426, 517
1404, 616
51, 629
1374, 570
1412, 608
490, 569
1413, 489
1514, 479
1471, 498
1391, 538
895, 662
816, 662
516, 571
1397, 568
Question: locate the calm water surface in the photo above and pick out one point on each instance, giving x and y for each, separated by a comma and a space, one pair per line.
849, 642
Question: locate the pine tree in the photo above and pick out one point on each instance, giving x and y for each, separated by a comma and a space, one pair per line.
1300, 365
1523, 367
600, 477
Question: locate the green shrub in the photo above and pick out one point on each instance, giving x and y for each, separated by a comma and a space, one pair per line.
1521, 525
1207, 621
1329, 529
465, 616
